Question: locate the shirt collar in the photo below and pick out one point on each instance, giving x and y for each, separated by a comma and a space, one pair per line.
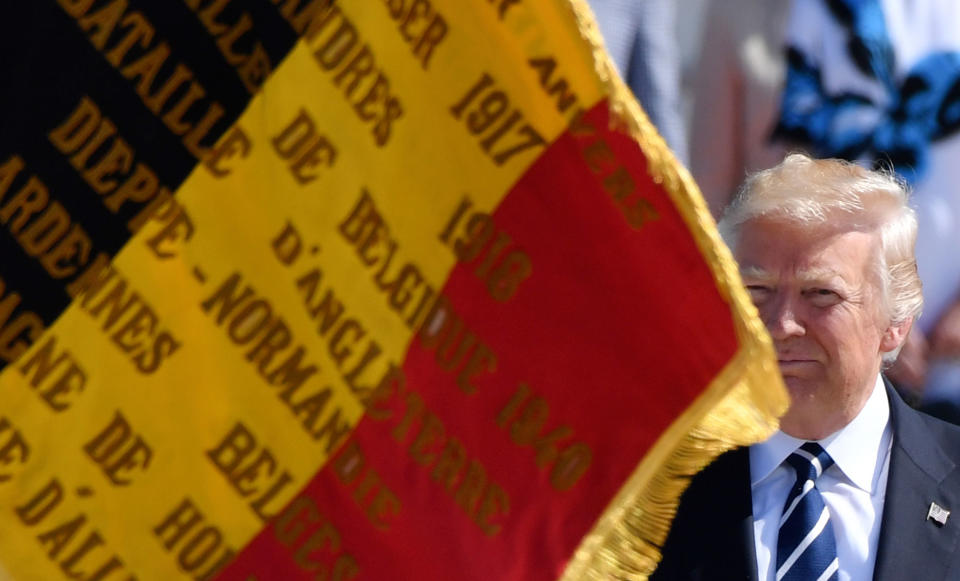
857, 449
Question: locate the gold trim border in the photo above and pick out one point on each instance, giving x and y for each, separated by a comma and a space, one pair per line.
740, 406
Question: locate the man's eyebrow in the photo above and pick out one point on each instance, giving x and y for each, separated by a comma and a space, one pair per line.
821, 275
755, 273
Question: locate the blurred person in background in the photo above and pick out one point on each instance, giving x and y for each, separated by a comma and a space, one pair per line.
737, 83
640, 36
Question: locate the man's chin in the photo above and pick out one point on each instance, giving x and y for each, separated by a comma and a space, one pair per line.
800, 387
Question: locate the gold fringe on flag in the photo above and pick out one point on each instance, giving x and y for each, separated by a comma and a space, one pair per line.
740, 406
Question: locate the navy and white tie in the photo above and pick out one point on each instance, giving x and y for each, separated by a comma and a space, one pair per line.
806, 547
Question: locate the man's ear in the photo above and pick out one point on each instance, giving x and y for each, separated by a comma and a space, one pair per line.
895, 335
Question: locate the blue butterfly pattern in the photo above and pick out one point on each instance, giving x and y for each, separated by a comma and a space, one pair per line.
922, 108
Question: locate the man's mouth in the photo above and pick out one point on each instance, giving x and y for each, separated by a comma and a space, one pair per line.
794, 364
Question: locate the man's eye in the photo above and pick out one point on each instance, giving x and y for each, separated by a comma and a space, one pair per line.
757, 292
823, 297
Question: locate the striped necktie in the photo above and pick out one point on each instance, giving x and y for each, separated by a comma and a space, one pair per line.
806, 548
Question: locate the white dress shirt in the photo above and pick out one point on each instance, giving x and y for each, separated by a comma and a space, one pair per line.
853, 488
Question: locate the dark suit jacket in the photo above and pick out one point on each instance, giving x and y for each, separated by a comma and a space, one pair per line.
712, 535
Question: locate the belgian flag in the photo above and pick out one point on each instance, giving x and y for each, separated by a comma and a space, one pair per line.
399, 289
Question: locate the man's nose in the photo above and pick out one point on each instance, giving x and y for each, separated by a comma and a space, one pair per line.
781, 317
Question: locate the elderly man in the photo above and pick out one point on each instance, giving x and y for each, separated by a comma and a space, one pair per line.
855, 485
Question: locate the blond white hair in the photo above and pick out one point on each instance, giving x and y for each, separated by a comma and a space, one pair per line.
815, 192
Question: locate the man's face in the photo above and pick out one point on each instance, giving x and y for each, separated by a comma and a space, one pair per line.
819, 295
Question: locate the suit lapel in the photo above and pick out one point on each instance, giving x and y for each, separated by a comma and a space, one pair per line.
712, 534
735, 556
920, 473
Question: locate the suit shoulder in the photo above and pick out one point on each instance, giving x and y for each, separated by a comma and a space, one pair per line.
916, 431
946, 434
